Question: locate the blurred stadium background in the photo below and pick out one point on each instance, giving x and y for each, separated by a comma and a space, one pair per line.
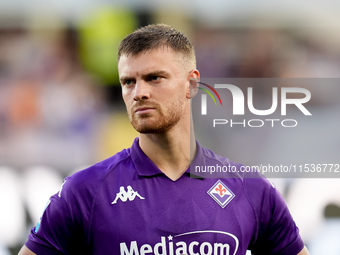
60, 100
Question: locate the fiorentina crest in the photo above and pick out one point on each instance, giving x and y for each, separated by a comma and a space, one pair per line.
221, 193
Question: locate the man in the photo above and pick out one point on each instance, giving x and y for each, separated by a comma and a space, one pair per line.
142, 200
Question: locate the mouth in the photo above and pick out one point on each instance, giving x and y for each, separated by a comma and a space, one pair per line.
144, 110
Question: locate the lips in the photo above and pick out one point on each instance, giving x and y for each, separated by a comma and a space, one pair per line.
144, 110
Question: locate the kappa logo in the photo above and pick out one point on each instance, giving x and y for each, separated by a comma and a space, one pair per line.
124, 196
221, 193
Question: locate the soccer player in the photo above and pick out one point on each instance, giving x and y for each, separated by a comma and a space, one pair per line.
142, 200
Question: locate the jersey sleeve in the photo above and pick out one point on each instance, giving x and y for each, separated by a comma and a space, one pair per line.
277, 232
61, 227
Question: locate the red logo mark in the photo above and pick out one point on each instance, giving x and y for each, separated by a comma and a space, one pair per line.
221, 190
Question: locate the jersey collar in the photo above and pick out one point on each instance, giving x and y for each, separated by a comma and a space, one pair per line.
145, 167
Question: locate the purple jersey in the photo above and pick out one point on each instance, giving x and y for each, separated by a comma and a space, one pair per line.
125, 205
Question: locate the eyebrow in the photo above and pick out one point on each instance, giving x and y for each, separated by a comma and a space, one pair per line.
155, 73
145, 76
125, 78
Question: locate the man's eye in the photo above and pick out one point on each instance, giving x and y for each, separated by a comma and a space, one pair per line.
128, 82
154, 78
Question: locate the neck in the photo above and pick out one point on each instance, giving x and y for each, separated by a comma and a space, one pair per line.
172, 151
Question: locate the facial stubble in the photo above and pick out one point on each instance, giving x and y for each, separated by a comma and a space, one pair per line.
160, 121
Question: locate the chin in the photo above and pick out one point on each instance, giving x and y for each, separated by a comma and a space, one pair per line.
154, 126
152, 129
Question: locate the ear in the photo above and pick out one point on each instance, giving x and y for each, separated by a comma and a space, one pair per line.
192, 89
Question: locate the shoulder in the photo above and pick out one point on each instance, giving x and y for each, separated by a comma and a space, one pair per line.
213, 157
255, 186
90, 179
212, 165
249, 176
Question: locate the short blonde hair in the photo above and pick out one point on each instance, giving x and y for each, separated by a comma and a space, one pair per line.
155, 36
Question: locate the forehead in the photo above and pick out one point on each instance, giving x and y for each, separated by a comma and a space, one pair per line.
149, 61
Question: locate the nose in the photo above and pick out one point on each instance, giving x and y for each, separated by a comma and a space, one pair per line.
142, 91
